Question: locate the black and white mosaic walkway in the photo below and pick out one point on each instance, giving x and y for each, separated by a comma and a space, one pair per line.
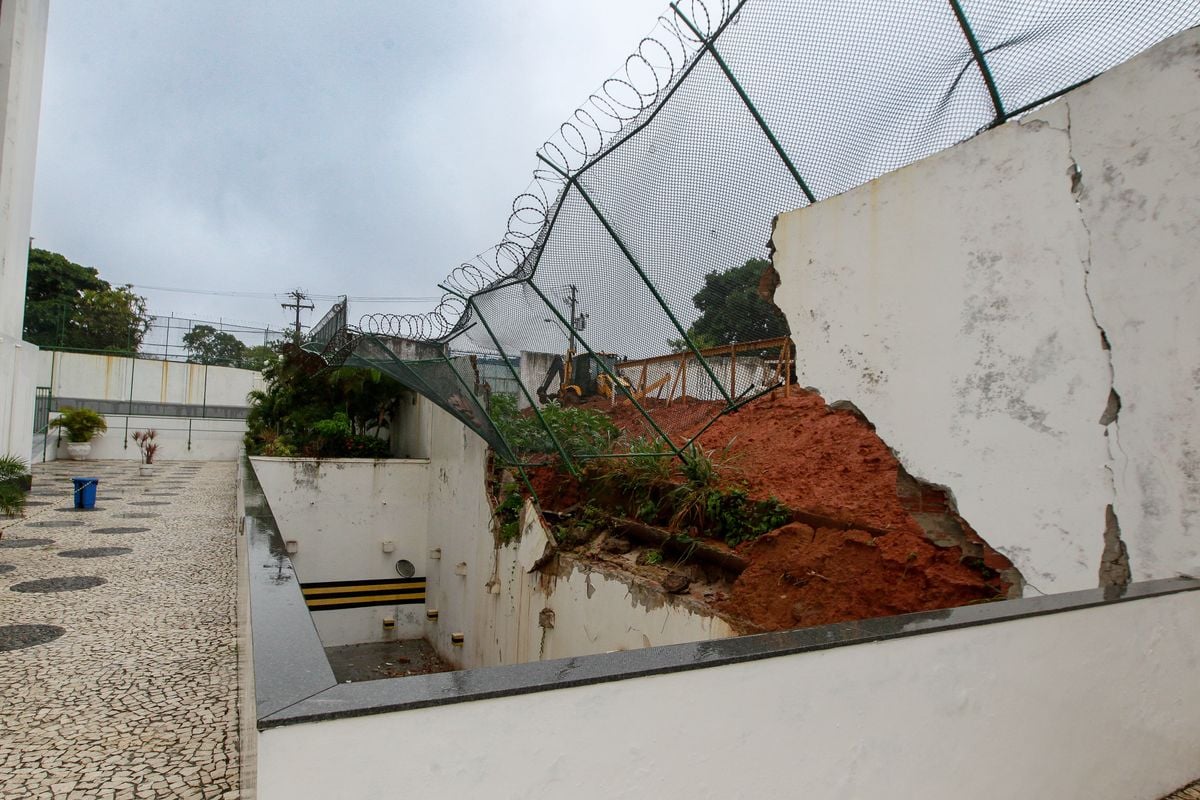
119, 666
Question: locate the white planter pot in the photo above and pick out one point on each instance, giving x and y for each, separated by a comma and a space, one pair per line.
146, 470
78, 451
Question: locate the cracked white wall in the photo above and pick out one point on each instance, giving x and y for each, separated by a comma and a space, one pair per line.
966, 304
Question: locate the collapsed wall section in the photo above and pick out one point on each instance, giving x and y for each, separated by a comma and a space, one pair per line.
1015, 315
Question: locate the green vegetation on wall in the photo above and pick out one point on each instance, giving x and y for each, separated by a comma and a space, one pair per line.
310, 409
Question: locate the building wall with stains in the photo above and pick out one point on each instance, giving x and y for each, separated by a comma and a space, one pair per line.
198, 411
1017, 316
90, 376
350, 521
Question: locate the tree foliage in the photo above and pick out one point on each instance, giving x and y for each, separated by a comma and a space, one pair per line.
206, 345
732, 309
259, 357
71, 306
310, 409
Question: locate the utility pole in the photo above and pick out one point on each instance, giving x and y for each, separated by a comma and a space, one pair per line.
578, 321
297, 296
572, 301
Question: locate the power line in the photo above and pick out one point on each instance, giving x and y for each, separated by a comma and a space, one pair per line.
276, 295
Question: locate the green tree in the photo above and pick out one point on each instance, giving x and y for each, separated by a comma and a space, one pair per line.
733, 310
206, 345
298, 412
259, 357
71, 306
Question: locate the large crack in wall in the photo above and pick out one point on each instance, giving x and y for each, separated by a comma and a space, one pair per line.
981, 281
1114, 562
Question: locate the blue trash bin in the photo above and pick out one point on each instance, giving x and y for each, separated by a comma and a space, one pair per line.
85, 492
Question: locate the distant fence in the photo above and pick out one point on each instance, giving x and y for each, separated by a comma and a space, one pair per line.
165, 339
171, 338
497, 373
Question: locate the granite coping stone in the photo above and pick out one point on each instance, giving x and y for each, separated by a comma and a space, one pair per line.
294, 682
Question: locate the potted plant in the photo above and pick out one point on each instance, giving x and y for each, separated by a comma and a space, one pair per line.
149, 447
81, 425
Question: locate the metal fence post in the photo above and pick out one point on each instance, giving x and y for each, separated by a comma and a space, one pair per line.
980, 61
570, 464
762, 123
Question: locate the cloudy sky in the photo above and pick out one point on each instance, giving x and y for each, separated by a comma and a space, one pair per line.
363, 148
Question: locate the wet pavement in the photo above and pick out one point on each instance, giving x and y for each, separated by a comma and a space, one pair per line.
118, 670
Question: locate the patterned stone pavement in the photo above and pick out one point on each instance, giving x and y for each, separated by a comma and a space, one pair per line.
137, 698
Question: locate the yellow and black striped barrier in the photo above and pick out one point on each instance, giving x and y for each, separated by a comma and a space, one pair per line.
359, 594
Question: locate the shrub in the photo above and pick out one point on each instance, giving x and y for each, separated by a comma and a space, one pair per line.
12, 499
311, 409
12, 467
578, 430
736, 518
508, 514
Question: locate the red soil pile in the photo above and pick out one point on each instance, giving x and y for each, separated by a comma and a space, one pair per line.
808, 457
799, 577
831, 463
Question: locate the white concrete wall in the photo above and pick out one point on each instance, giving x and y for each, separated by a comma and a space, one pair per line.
959, 302
1066, 705
411, 426
534, 367
18, 367
205, 440
22, 53
90, 376
101, 377
460, 524
340, 511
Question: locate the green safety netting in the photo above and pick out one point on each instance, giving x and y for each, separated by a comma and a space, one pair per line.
639, 244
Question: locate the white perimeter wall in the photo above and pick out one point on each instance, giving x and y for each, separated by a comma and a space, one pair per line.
959, 302
101, 377
90, 376
488, 594
22, 53
1099, 703
339, 512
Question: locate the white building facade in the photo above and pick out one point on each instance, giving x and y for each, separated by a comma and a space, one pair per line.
22, 55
